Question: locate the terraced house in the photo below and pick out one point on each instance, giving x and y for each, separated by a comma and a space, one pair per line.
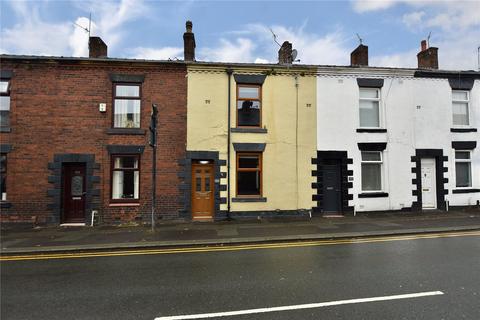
234, 139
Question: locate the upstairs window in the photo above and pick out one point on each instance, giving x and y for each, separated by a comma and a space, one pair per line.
372, 170
4, 103
369, 108
463, 169
249, 174
249, 105
460, 107
126, 110
3, 176
125, 177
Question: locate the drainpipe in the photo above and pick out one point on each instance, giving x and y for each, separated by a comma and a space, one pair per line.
229, 73
296, 137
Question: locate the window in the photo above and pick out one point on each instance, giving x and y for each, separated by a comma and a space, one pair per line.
249, 106
125, 177
369, 108
126, 106
460, 101
249, 174
4, 103
463, 169
371, 171
3, 176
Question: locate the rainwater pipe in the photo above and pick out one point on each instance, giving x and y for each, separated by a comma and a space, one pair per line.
229, 73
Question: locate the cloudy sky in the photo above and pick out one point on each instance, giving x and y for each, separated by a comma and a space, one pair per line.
323, 32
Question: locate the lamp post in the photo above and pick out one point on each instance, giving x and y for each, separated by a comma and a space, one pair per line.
153, 144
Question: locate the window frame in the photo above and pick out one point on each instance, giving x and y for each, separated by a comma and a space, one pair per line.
249, 99
259, 169
469, 160
468, 109
6, 173
114, 97
380, 109
7, 94
112, 169
382, 183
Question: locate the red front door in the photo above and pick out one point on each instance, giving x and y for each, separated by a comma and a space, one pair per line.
73, 192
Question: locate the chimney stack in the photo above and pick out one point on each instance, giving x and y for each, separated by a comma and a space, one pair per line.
189, 43
285, 53
97, 48
359, 56
427, 57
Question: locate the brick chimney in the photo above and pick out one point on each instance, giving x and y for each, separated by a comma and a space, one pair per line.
427, 57
189, 43
97, 48
359, 56
285, 53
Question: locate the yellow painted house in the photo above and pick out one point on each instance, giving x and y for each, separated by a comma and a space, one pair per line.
251, 137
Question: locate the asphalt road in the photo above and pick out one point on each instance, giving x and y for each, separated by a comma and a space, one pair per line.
162, 285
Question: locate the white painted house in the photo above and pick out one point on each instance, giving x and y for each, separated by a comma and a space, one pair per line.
397, 139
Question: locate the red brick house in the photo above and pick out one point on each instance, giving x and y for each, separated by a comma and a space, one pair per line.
74, 137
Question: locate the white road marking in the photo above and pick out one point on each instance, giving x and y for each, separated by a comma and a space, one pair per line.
301, 306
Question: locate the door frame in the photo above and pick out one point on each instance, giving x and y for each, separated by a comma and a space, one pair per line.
441, 169
65, 165
325, 157
211, 165
434, 174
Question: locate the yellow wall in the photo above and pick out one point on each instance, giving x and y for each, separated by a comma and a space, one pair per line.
207, 131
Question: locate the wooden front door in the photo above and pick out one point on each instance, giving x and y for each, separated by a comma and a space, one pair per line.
203, 188
73, 193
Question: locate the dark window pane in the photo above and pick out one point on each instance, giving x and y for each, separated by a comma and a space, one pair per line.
248, 183
462, 155
3, 176
463, 174
371, 177
207, 183
248, 162
4, 118
198, 183
128, 184
125, 162
248, 113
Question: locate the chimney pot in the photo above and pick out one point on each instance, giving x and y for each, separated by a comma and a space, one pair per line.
359, 56
285, 53
424, 45
189, 42
97, 48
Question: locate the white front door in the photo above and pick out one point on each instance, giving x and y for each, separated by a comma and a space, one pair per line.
429, 190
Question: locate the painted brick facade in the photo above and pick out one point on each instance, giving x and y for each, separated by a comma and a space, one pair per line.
54, 115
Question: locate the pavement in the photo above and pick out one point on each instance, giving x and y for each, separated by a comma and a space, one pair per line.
175, 234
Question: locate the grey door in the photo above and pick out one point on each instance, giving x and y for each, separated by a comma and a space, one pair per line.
332, 196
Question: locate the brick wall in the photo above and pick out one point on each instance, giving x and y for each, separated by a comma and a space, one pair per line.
54, 110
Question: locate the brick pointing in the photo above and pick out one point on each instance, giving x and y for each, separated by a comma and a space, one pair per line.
54, 110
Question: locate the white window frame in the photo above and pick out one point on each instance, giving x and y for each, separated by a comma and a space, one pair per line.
469, 118
382, 183
380, 111
463, 161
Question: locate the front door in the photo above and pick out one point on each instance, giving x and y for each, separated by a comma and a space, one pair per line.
73, 193
429, 193
332, 196
202, 190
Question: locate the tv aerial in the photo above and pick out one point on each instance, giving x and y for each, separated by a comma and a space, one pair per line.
275, 37
359, 39
85, 28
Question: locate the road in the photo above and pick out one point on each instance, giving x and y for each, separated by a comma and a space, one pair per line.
439, 274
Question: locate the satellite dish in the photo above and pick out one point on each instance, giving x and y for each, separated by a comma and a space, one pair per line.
294, 54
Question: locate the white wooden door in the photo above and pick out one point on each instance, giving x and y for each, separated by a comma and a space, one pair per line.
429, 190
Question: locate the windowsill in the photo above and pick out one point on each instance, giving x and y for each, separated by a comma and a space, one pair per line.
371, 130
373, 195
248, 130
466, 190
5, 204
463, 129
249, 199
124, 204
5, 129
126, 131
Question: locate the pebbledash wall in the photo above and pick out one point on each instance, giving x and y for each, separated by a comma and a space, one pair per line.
287, 136
416, 116
55, 119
